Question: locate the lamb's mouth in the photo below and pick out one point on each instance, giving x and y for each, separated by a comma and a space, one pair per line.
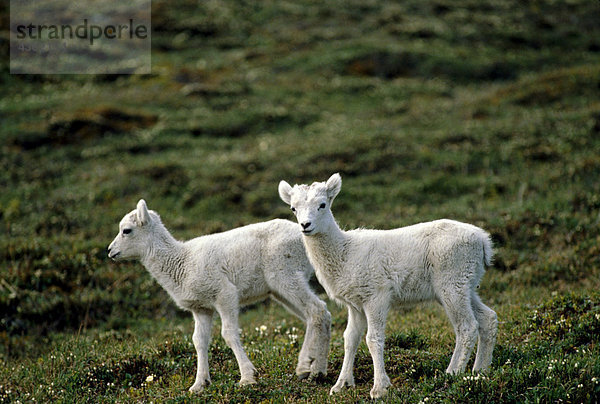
307, 232
115, 255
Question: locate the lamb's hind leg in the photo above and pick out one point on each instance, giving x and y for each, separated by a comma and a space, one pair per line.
228, 308
299, 299
457, 303
488, 328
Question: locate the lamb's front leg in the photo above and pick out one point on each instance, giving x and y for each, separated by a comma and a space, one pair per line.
201, 339
376, 319
355, 329
228, 308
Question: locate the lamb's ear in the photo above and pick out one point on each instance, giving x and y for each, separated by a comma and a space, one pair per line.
142, 213
333, 184
285, 192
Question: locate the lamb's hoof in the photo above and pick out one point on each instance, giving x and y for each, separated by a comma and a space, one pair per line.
303, 376
318, 377
380, 390
318, 368
199, 386
246, 381
339, 386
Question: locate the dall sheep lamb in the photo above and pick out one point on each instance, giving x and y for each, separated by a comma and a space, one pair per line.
220, 272
370, 271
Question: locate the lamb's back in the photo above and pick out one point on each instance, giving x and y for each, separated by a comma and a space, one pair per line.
406, 258
252, 248
415, 245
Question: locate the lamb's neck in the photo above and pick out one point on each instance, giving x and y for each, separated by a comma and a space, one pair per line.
165, 260
328, 249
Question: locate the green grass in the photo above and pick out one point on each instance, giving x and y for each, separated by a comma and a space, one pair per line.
485, 112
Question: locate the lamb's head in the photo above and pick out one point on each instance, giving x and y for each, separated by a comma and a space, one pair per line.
312, 203
136, 233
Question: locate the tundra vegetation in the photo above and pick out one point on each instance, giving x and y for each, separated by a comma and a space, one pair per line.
487, 112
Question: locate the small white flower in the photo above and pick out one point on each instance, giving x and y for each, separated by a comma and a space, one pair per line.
293, 338
150, 379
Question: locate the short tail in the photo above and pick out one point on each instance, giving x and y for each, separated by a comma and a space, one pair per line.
488, 249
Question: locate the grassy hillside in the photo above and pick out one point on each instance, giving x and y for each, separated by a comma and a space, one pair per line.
482, 111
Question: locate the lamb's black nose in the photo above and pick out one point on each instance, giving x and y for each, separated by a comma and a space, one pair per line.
305, 225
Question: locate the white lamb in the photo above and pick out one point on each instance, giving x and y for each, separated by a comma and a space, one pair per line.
370, 271
220, 272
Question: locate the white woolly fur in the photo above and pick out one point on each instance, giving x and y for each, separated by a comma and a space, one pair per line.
220, 272
370, 271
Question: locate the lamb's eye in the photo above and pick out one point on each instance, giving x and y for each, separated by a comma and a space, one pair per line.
322, 206
293, 209
126, 231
